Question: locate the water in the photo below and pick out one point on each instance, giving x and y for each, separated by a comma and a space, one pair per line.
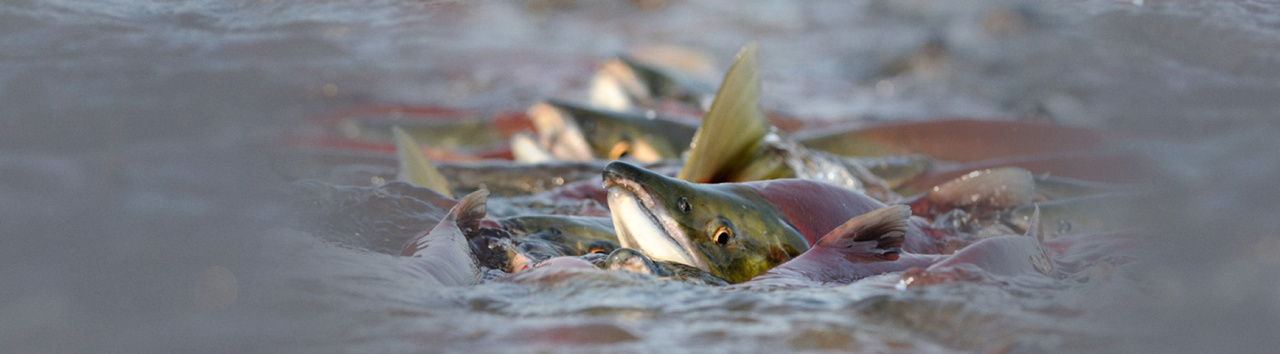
139, 212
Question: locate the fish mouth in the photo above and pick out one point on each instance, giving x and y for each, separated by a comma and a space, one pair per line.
642, 223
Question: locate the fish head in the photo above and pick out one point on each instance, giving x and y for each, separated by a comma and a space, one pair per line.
559, 134
575, 132
722, 229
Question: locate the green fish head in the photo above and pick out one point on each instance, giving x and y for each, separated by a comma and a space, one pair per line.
723, 229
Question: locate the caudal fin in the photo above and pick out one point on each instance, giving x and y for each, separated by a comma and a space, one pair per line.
886, 227
732, 127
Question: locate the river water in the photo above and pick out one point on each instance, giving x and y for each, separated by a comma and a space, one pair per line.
139, 213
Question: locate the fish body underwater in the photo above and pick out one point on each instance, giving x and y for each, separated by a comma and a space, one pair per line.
570, 131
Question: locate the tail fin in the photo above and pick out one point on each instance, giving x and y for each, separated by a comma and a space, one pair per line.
732, 127
886, 226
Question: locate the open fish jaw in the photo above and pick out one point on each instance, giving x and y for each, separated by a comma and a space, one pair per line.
643, 225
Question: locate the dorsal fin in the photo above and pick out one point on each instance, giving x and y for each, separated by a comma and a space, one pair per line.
734, 125
415, 167
1034, 229
442, 253
464, 218
470, 210
886, 226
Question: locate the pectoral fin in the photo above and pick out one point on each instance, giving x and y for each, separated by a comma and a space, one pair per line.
864, 246
886, 227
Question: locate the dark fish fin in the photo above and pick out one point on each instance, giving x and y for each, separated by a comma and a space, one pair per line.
470, 210
734, 125
886, 226
463, 221
442, 253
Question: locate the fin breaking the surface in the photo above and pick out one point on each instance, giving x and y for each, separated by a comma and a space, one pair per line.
415, 168
445, 253
1034, 227
733, 126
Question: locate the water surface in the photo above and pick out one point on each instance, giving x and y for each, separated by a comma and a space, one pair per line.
138, 211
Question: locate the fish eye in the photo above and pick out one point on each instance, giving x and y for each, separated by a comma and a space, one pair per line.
619, 150
683, 204
722, 236
721, 232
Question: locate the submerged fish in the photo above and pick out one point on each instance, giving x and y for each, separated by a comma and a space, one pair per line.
633, 261
507, 244
500, 177
629, 82
574, 132
737, 230
984, 193
565, 235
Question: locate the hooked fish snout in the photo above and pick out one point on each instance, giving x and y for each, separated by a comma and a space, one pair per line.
618, 171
